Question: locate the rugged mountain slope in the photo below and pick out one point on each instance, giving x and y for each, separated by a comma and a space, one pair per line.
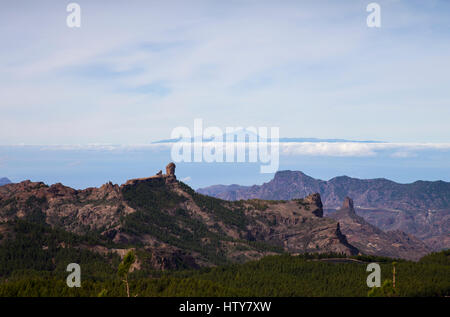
4, 181
430, 226
171, 224
421, 208
373, 241
373, 193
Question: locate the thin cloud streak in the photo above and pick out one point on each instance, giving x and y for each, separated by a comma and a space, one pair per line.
333, 149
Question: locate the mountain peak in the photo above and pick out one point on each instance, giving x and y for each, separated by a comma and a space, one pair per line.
289, 174
4, 181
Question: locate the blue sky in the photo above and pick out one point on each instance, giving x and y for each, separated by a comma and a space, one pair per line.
136, 70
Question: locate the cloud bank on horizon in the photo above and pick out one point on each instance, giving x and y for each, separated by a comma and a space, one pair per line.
133, 72
84, 166
349, 149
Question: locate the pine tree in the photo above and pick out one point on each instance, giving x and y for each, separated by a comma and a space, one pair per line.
124, 269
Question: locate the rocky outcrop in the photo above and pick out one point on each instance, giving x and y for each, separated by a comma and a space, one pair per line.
348, 205
169, 177
297, 226
315, 200
373, 241
170, 258
420, 208
77, 211
170, 173
170, 169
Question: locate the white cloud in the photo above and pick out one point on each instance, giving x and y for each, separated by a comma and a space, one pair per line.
335, 149
360, 149
403, 154
328, 149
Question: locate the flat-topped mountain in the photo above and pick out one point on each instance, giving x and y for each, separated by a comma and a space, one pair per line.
420, 208
169, 223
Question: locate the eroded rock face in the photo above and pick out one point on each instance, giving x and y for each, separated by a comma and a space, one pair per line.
297, 226
170, 173
372, 240
169, 177
170, 169
421, 208
315, 200
75, 210
348, 204
171, 259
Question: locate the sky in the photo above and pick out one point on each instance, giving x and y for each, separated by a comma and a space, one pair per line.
136, 70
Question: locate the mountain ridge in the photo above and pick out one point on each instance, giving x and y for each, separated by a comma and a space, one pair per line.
171, 224
247, 192
421, 208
